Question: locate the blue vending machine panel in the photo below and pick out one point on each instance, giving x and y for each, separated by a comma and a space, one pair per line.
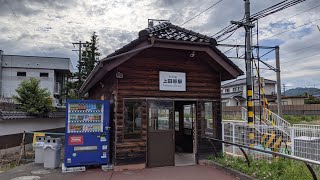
87, 133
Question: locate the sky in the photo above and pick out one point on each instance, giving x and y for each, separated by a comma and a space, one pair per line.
48, 28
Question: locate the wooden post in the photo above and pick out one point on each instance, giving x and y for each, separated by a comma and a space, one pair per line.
21, 148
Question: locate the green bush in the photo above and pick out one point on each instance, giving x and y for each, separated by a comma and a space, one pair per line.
34, 100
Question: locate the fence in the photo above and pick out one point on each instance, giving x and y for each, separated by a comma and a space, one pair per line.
266, 137
306, 109
302, 140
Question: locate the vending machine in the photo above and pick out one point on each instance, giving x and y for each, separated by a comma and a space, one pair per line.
87, 133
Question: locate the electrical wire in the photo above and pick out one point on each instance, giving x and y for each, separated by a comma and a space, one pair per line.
201, 12
268, 11
15, 15
310, 22
301, 49
298, 59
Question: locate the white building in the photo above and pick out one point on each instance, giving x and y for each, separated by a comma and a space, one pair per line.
51, 71
234, 93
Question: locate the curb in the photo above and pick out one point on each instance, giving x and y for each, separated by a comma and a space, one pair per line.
233, 172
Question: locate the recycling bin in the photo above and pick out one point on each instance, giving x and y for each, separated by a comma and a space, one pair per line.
38, 149
52, 153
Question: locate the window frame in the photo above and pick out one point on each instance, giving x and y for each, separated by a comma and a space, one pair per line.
150, 124
142, 119
41, 73
214, 119
24, 72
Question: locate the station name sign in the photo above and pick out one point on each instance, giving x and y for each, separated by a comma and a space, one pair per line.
172, 81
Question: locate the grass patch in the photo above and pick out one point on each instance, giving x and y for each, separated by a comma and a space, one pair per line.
301, 118
280, 169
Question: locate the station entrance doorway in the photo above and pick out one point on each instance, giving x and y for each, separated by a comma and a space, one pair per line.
171, 133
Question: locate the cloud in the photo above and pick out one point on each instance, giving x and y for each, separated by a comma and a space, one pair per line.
56, 24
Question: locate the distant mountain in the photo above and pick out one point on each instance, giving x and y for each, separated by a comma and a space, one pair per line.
301, 91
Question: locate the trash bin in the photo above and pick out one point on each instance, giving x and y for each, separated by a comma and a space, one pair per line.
38, 149
52, 151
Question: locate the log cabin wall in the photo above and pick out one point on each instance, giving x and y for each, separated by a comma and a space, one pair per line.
105, 89
141, 80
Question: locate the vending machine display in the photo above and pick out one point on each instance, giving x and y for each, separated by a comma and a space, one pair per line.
87, 133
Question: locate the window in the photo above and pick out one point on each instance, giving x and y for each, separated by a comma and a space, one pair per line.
234, 89
21, 74
160, 115
132, 119
188, 116
176, 120
42, 74
239, 88
208, 117
226, 90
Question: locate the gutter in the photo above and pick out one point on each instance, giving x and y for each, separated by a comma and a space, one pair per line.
100, 65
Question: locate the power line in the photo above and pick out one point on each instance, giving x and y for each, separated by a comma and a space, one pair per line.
299, 59
201, 12
301, 49
43, 52
295, 15
268, 11
291, 29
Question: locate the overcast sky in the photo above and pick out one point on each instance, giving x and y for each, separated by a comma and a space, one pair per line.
39, 27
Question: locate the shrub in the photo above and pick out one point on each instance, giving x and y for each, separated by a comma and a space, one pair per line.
34, 100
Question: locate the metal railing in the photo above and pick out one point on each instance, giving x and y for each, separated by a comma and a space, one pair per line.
277, 120
307, 162
272, 119
303, 142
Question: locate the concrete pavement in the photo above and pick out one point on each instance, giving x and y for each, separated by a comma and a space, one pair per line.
198, 172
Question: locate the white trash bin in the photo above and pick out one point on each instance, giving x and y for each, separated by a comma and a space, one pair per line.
38, 149
52, 152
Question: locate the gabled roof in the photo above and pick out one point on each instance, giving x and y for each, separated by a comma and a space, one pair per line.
243, 82
163, 35
166, 31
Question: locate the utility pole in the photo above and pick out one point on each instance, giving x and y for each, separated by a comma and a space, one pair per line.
278, 81
248, 58
284, 89
248, 26
80, 45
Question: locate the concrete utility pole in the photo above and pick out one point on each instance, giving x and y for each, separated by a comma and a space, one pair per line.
278, 81
248, 26
80, 45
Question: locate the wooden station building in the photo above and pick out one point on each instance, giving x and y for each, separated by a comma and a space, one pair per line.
165, 91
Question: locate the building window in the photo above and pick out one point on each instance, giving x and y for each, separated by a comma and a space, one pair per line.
226, 90
160, 115
21, 74
132, 119
239, 88
42, 74
234, 89
208, 119
188, 116
176, 120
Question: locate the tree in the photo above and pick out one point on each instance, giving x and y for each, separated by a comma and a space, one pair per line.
34, 100
69, 89
90, 56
